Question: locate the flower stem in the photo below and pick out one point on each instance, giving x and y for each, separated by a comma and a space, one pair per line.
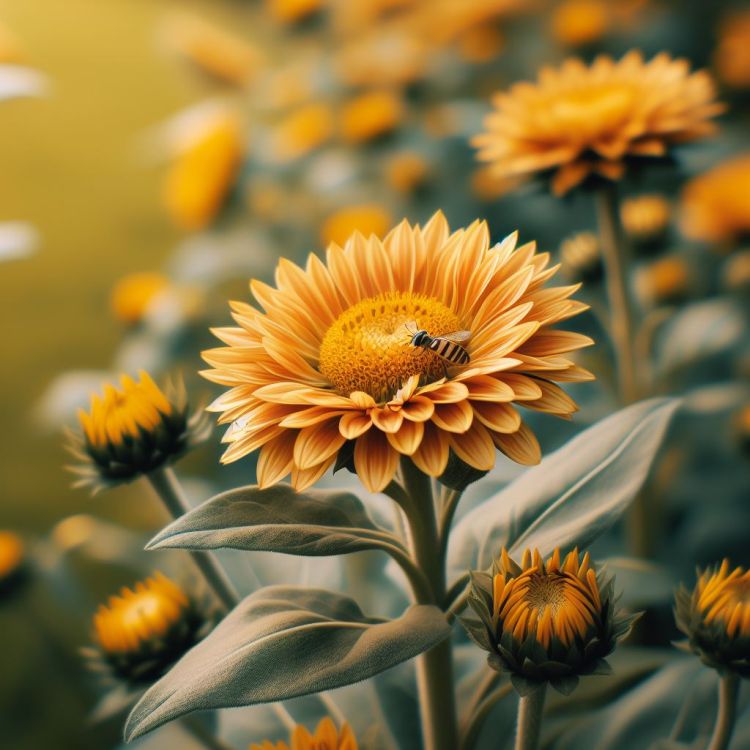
529, 728
617, 265
434, 667
729, 686
167, 487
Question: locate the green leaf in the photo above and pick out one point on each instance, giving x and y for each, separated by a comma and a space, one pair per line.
572, 496
281, 642
277, 519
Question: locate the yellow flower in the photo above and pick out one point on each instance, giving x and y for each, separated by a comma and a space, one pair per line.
667, 280
203, 175
141, 632
370, 116
481, 44
293, 11
302, 131
545, 621
11, 555
646, 217
580, 22
732, 56
330, 361
716, 618
716, 204
406, 171
132, 430
132, 295
735, 275
367, 219
581, 257
326, 737
10, 50
215, 51
577, 121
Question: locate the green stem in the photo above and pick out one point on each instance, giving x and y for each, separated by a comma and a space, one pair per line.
729, 686
529, 727
167, 487
447, 511
617, 265
435, 667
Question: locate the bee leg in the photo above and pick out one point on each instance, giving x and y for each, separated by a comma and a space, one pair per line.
445, 369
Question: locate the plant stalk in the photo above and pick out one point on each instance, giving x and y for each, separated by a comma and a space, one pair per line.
529, 727
729, 687
617, 265
434, 667
167, 487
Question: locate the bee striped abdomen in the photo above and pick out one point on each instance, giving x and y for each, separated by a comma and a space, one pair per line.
449, 351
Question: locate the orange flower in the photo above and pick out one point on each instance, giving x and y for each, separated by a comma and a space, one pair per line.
326, 737
732, 57
329, 359
578, 121
716, 205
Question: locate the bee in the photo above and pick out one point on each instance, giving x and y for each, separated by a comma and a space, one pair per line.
447, 347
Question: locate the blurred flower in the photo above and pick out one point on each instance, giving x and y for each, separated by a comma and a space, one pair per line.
545, 622
481, 44
143, 631
488, 187
132, 295
732, 56
326, 737
735, 275
665, 281
716, 204
302, 131
715, 617
329, 361
133, 430
215, 51
293, 11
581, 257
578, 121
10, 50
11, 559
367, 219
406, 171
742, 429
580, 22
370, 115
203, 175
646, 217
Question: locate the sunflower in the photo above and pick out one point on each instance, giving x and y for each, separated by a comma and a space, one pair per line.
326, 737
328, 363
578, 120
142, 631
545, 621
716, 618
716, 205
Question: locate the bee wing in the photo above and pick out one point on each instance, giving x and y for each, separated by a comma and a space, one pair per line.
457, 337
411, 326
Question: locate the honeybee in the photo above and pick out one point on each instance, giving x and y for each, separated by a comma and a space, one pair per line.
447, 347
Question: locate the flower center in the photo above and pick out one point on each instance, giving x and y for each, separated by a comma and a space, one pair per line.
367, 348
546, 591
591, 110
732, 606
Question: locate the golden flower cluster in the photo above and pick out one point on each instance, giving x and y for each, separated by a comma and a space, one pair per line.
326, 737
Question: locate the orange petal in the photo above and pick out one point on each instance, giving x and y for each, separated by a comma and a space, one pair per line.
317, 443
304, 478
375, 461
354, 423
475, 447
386, 419
432, 455
276, 458
487, 388
453, 417
498, 417
408, 437
418, 409
521, 446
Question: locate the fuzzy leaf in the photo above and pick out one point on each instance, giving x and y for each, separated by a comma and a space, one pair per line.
276, 519
573, 495
281, 642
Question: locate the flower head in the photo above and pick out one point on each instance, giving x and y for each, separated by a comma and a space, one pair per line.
715, 617
577, 121
716, 205
131, 430
326, 737
547, 621
668, 280
331, 361
133, 294
646, 217
141, 632
581, 257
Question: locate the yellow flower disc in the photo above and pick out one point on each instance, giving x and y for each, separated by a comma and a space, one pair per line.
367, 348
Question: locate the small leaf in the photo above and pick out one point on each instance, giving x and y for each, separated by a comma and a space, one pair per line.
572, 496
277, 519
281, 642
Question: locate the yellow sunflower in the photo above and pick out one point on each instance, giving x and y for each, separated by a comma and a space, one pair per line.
578, 120
328, 362
326, 737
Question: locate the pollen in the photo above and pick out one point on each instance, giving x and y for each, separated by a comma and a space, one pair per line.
368, 347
